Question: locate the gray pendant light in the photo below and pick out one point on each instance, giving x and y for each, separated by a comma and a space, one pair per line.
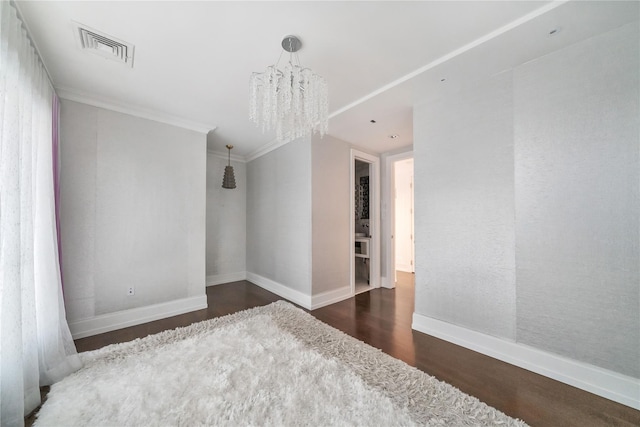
229, 181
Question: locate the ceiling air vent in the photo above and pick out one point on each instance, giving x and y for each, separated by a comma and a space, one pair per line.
102, 44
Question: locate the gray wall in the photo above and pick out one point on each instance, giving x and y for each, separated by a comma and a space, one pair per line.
279, 216
331, 214
528, 208
464, 214
577, 197
132, 211
226, 219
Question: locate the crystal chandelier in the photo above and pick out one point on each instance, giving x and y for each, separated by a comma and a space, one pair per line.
292, 101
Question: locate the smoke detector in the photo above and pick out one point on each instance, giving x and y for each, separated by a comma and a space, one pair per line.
99, 43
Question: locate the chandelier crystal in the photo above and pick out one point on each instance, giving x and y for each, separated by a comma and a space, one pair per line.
292, 101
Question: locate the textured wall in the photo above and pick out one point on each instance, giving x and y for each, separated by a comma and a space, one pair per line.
464, 218
279, 215
558, 139
226, 219
578, 201
133, 211
331, 214
78, 161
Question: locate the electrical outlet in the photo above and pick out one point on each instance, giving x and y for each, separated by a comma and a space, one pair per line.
131, 291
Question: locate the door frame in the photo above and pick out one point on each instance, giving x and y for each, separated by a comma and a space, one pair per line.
388, 241
396, 237
374, 217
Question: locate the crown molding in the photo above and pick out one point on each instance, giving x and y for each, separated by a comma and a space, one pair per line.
457, 52
272, 145
225, 156
156, 116
266, 148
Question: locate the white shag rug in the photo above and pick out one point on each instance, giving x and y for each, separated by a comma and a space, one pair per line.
274, 366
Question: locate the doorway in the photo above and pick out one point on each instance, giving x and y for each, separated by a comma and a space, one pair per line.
365, 222
393, 163
403, 208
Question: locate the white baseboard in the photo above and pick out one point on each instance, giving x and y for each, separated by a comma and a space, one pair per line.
611, 385
218, 279
330, 297
407, 268
292, 295
387, 282
122, 319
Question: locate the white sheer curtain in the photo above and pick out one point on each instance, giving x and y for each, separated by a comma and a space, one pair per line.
36, 347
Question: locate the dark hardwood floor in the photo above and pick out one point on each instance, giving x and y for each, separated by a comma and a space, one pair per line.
382, 318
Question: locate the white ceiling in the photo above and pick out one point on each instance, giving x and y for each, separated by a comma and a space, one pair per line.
193, 59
